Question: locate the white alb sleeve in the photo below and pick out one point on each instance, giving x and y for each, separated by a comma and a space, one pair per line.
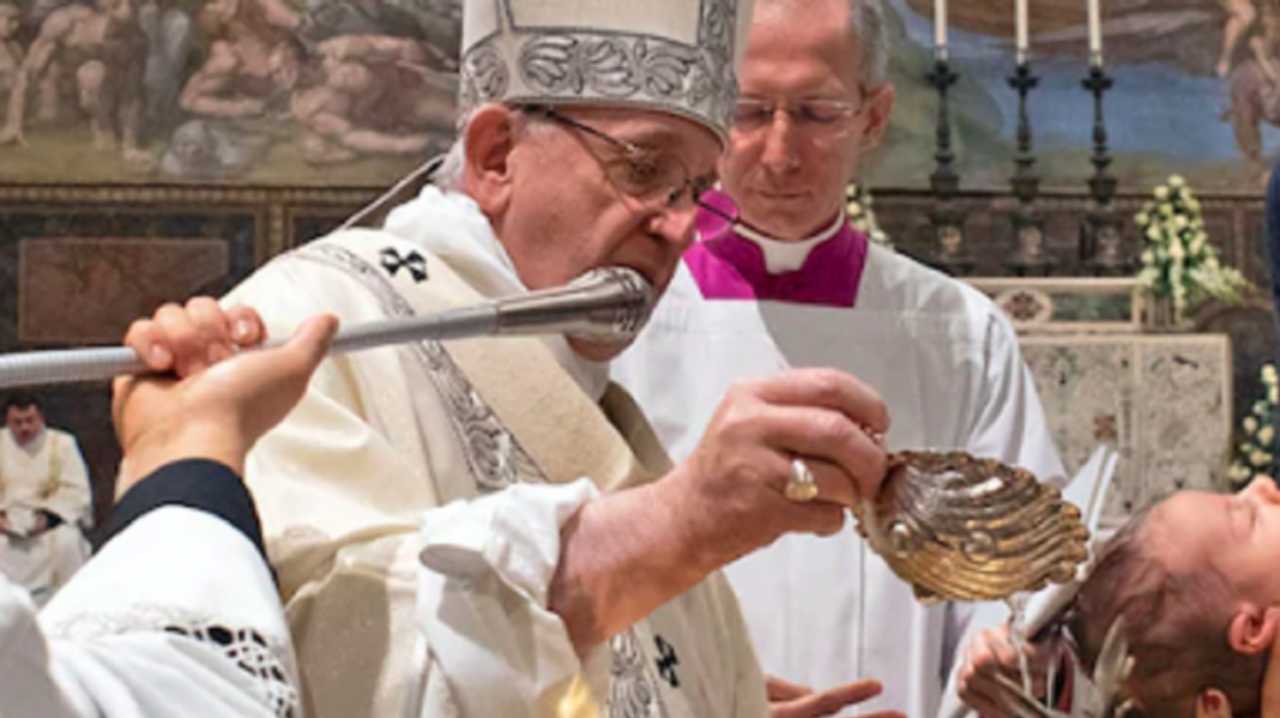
487, 567
177, 615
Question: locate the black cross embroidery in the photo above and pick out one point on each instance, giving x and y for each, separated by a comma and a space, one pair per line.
414, 262
667, 661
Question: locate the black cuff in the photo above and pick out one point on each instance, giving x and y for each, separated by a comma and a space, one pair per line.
195, 483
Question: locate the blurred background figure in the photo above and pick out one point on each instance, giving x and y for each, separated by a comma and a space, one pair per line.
45, 500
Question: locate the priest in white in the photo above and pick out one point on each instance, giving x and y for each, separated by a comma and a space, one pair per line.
779, 279
45, 501
562, 562
178, 613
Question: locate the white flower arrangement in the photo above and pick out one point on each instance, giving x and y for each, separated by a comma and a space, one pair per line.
1256, 452
1178, 261
861, 214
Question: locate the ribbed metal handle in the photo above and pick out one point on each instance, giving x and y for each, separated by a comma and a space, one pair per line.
67, 365
608, 304
102, 363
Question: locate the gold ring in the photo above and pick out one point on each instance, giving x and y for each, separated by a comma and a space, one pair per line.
802, 486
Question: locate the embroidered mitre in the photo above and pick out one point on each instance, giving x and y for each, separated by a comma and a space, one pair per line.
677, 56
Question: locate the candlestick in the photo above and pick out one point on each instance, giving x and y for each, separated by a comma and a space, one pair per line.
944, 179
1101, 243
950, 254
1095, 33
1030, 256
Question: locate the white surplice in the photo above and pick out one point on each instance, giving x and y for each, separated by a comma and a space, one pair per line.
825, 611
46, 475
482, 427
176, 616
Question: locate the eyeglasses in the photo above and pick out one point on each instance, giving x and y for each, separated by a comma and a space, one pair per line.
651, 177
817, 117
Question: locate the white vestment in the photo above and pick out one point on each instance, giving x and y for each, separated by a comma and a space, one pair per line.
47, 475
825, 611
386, 434
176, 616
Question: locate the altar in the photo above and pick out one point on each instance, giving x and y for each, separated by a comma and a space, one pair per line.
1163, 399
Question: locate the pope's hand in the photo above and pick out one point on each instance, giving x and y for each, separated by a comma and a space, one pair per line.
788, 700
733, 483
215, 402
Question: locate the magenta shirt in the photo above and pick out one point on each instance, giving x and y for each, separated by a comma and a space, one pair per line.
729, 266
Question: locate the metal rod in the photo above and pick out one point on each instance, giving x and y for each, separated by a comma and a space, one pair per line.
103, 363
609, 304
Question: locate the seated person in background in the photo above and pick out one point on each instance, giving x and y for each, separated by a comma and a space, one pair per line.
44, 500
178, 613
1194, 579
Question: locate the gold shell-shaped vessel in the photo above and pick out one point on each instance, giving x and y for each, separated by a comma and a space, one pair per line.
967, 529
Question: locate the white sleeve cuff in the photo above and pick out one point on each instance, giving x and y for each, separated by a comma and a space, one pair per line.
482, 597
513, 534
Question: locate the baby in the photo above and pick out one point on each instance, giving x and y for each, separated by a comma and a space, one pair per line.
1195, 579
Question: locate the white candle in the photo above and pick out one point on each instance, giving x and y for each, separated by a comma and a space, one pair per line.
940, 29
1095, 33
1023, 30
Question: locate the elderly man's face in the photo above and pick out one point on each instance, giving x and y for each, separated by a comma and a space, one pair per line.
788, 175
24, 423
562, 213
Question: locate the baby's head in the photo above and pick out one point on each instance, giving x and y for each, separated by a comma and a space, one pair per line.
1196, 580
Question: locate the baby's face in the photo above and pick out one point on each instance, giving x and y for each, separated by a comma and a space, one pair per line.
1238, 535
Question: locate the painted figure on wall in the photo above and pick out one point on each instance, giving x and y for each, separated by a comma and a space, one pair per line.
1255, 82
11, 52
100, 52
235, 80
169, 31
372, 94
258, 91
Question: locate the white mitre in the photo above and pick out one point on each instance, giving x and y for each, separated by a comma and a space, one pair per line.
677, 56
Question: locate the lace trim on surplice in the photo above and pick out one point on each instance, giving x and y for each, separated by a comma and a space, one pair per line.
266, 661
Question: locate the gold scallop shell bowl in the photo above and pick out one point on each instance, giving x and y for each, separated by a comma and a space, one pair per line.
960, 528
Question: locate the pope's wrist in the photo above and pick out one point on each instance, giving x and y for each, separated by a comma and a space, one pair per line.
700, 545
